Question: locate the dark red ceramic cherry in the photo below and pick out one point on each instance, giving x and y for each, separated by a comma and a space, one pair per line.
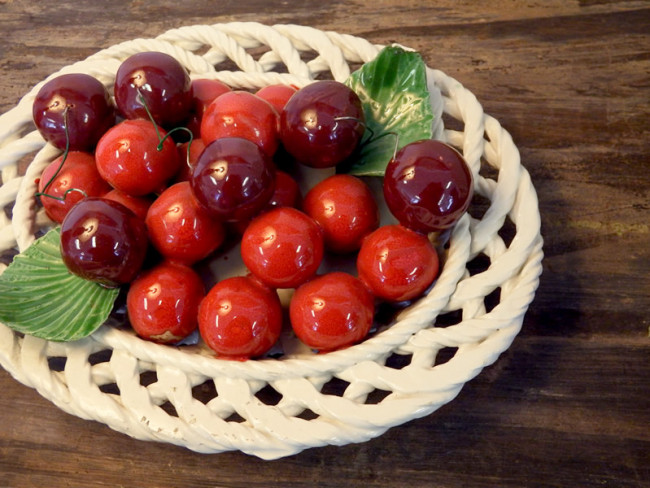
78, 101
103, 241
163, 83
233, 179
428, 186
322, 124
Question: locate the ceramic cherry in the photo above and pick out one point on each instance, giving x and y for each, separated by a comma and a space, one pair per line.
428, 186
396, 263
103, 241
163, 302
239, 318
283, 247
153, 84
180, 228
131, 157
73, 110
332, 311
344, 206
67, 180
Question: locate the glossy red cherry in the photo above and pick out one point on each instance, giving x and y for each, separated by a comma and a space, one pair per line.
204, 92
242, 114
287, 191
282, 247
103, 241
428, 186
129, 158
322, 124
76, 179
332, 311
180, 229
233, 179
240, 319
137, 205
163, 302
276, 95
286, 194
163, 83
345, 208
78, 101
396, 263
188, 158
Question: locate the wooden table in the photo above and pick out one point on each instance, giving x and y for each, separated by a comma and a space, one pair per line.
568, 403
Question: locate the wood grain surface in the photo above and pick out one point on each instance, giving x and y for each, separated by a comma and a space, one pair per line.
568, 404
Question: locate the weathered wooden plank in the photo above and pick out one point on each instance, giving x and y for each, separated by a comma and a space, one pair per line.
567, 405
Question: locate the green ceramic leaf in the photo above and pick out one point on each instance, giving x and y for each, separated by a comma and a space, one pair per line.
39, 297
393, 90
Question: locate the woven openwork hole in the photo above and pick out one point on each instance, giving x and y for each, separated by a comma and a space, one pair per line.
418, 358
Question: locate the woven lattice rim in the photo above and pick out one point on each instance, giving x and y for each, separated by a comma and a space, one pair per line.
276, 407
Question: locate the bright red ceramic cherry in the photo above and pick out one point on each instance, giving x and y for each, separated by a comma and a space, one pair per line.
180, 229
345, 208
332, 311
276, 95
78, 101
287, 191
322, 124
188, 158
163, 302
286, 194
282, 247
396, 263
103, 241
163, 83
233, 179
130, 157
242, 114
138, 205
428, 186
240, 318
204, 92
75, 179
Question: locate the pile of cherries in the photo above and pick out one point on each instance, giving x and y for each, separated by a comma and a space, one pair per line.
154, 180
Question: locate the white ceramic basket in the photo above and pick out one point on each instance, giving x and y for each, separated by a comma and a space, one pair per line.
272, 408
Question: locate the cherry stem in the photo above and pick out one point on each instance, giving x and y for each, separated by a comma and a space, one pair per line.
189, 143
65, 194
161, 139
384, 134
146, 109
372, 137
66, 151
